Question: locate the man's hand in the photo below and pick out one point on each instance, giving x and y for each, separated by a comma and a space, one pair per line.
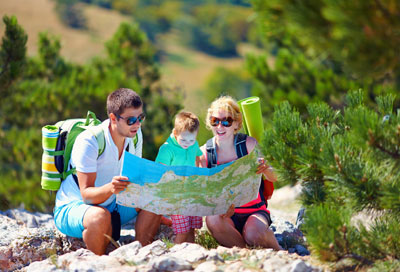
118, 184
229, 212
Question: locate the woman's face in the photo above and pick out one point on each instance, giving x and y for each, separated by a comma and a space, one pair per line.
223, 125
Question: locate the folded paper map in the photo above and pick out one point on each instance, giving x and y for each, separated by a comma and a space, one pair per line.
188, 190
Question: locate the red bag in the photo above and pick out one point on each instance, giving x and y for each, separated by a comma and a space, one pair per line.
268, 188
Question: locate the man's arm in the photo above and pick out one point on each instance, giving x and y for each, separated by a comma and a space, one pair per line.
97, 195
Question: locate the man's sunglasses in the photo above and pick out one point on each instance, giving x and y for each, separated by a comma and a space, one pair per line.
133, 119
226, 122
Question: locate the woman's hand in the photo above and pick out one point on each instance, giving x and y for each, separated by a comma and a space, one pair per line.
229, 212
266, 170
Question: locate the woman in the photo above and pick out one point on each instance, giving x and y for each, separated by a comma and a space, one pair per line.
248, 224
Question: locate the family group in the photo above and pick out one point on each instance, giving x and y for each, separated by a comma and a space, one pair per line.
86, 202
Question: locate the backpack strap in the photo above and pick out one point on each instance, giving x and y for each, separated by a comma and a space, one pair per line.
240, 144
98, 133
135, 140
211, 153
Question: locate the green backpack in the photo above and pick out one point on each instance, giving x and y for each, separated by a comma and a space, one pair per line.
57, 142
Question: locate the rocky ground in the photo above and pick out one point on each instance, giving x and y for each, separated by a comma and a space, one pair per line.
30, 242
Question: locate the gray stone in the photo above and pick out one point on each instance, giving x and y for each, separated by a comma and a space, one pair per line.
30, 242
127, 251
276, 264
189, 252
300, 266
165, 263
207, 267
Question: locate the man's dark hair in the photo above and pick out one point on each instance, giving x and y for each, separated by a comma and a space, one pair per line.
121, 99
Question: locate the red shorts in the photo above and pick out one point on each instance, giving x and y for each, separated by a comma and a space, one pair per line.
183, 223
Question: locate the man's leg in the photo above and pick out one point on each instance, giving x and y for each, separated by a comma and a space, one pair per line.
97, 224
146, 226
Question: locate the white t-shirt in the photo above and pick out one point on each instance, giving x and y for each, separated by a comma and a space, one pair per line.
85, 158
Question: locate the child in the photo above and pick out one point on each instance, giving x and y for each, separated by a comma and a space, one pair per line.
181, 148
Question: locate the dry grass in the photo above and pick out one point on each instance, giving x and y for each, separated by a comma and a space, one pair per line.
37, 16
189, 69
182, 67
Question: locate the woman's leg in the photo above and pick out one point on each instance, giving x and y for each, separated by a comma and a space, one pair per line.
256, 232
223, 230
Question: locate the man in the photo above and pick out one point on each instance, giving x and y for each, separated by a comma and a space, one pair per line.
90, 210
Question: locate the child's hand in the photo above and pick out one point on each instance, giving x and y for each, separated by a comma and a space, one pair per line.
229, 212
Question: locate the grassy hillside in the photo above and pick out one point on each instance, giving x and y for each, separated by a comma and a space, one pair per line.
189, 69
77, 45
181, 66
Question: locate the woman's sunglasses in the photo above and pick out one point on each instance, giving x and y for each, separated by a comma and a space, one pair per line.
133, 119
226, 122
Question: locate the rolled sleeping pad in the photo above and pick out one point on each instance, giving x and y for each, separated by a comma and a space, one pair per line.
252, 117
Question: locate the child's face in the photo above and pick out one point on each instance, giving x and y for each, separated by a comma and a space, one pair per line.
186, 138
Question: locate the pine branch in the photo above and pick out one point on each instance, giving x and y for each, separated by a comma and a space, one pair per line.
385, 10
379, 146
354, 256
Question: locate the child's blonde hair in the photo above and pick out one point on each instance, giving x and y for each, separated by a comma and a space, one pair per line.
186, 121
228, 104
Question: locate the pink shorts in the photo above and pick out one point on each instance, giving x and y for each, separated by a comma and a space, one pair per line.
183, 223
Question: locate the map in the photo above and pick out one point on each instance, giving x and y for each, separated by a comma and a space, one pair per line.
188, 190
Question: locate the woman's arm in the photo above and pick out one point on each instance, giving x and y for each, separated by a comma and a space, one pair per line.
263, 168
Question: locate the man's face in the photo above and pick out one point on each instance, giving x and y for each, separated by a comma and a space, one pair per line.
125, 126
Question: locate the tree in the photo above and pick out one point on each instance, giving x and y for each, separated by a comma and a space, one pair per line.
130, 49
362, 35
51, 89
215, 29
70, 13
347, 162
293, 76
12, 54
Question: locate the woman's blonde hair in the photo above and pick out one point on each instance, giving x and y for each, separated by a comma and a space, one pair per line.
228, 104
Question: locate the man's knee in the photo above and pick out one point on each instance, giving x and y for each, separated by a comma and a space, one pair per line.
98, 217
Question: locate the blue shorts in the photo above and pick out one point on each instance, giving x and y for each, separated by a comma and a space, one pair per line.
69, 218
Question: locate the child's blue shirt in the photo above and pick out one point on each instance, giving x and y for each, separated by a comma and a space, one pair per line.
171, 153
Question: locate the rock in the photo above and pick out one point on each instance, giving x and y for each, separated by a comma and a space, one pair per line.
300, 218
30, 242
127, 252
276, 264
301, 250
300, 266
208, 266
168, 263
188, 251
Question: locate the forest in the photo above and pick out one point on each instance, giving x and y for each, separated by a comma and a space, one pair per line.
327, 72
